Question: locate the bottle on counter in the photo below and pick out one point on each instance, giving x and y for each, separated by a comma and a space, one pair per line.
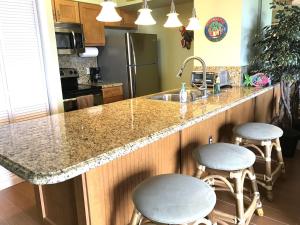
217, 88
183, 94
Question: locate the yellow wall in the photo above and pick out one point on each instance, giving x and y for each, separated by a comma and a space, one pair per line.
171, 54
227, 51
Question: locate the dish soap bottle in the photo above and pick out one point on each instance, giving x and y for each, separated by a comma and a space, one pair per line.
183, 94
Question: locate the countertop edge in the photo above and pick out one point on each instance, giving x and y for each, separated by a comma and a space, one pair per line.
83, 167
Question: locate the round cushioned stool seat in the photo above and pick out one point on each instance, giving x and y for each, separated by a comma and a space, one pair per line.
174, 199
223, 156
258, 131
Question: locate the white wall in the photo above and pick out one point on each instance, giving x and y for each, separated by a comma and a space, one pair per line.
249, 27
171, 54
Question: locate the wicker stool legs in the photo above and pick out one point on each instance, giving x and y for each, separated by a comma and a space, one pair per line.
138, 219
219, 180
264, 150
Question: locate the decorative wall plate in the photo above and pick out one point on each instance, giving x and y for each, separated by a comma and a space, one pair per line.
216, 29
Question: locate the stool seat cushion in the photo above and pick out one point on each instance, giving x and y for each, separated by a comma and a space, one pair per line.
223, 156
174, 199
258, 131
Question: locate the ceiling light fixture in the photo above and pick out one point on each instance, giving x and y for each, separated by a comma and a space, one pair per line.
108, 12
145, 18
173, 20
194, 23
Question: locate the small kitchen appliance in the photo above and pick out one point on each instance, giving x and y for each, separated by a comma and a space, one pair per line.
69, 38
96, 75
211, 77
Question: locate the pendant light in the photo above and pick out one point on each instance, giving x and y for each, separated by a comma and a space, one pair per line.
145, 18
108, 12
194, 23
173, 20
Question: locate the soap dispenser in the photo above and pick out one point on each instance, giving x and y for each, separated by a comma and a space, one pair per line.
183, 94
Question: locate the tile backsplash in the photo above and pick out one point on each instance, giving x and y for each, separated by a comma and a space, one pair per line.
74, 61
235, 72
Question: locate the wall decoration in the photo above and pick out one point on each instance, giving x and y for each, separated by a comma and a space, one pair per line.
187, 37
216, 29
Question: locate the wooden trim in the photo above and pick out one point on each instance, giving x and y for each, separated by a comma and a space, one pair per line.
81, 197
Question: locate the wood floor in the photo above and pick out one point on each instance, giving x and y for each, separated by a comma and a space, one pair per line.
17, 204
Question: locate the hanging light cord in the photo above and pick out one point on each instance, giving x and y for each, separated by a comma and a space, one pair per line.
194, 13
173, 10
145, 4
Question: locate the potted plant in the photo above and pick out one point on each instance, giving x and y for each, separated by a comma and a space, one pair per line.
278, 55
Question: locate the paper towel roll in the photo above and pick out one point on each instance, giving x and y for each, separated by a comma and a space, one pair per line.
90, 52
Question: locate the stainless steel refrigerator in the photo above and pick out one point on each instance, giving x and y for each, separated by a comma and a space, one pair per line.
131, 58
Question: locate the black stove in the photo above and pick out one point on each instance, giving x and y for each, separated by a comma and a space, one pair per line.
71, 89
81, 90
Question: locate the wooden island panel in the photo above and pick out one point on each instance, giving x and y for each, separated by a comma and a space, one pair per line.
198, 135
263, 105
103, 195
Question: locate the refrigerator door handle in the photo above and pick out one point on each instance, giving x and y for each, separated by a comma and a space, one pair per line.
133, 53
132, 82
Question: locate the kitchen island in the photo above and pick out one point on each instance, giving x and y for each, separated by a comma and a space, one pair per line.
85, 164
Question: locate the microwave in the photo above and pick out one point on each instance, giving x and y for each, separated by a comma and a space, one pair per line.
69, 38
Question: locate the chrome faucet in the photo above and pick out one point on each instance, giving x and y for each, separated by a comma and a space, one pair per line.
204, 84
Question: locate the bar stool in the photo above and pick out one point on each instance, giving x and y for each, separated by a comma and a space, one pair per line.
172, 199
225, 167
263, 138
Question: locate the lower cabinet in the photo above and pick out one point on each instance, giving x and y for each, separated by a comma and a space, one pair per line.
112, 94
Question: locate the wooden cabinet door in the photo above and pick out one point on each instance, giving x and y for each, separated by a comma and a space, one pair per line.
67, 11
127, 22
53, 10
93, 29
128, 19
112, 94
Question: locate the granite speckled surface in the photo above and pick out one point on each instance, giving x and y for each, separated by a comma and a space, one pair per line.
59, 147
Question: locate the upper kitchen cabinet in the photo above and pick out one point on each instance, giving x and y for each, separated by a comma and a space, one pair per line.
66, 11
128, 19
93, 29
127, 22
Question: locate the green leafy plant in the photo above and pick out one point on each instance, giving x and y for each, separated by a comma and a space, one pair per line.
247, 80
278, 55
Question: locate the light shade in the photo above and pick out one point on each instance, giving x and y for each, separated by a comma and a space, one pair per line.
173, 20
145, 18
194, 23
108, 12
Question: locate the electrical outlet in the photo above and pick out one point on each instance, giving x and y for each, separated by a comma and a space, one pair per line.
210, 140
87, 69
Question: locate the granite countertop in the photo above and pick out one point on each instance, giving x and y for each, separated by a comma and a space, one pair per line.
103, 84
59, 147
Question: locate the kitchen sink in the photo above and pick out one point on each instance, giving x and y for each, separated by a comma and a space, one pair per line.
192, 95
